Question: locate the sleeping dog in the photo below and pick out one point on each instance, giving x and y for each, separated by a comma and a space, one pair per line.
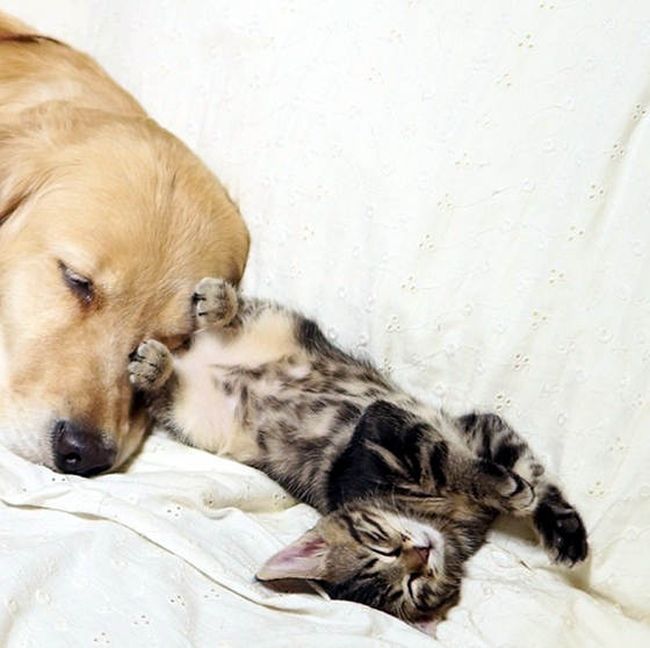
106, 220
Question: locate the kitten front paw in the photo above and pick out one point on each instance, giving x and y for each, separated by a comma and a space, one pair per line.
561, 529
150, 366
506, 490
520, 496
215, 302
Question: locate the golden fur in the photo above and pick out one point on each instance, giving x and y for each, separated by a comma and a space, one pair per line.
87, 180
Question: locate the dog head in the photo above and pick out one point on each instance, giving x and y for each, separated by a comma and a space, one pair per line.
106, 225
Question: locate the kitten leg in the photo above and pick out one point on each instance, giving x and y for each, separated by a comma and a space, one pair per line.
557, 523
151, 372
215, 303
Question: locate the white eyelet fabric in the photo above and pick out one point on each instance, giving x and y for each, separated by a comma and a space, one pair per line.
460, 190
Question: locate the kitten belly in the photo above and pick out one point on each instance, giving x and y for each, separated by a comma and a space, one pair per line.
202, 409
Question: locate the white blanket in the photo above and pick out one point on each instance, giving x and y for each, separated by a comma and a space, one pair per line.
460, 190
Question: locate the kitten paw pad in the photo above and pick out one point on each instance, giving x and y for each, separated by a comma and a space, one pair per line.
563, 532
150, 366
215, 302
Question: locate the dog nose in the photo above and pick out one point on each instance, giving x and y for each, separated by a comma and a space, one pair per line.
80, 450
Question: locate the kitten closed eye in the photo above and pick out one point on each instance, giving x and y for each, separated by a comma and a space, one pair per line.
389, 553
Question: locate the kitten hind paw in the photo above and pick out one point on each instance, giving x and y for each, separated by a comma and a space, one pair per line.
215, 302
561, 529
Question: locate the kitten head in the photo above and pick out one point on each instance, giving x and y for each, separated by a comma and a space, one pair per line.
373, 554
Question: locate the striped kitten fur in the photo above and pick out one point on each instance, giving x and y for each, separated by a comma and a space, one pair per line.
407, 491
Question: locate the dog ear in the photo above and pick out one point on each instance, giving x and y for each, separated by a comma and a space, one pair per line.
29, 148
8, 207
20, 177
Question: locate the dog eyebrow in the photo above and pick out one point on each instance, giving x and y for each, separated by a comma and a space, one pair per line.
74, 257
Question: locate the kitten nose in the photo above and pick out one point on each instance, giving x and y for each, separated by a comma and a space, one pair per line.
422, 553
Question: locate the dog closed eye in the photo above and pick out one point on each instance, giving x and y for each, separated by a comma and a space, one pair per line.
82, 287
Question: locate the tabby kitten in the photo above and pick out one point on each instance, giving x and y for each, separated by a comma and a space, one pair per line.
407, 491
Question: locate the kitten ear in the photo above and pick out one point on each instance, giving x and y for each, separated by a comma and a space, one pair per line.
305, 559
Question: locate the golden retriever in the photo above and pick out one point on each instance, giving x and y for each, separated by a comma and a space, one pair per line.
107, 222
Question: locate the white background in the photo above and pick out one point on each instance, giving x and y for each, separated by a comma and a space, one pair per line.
460, 190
